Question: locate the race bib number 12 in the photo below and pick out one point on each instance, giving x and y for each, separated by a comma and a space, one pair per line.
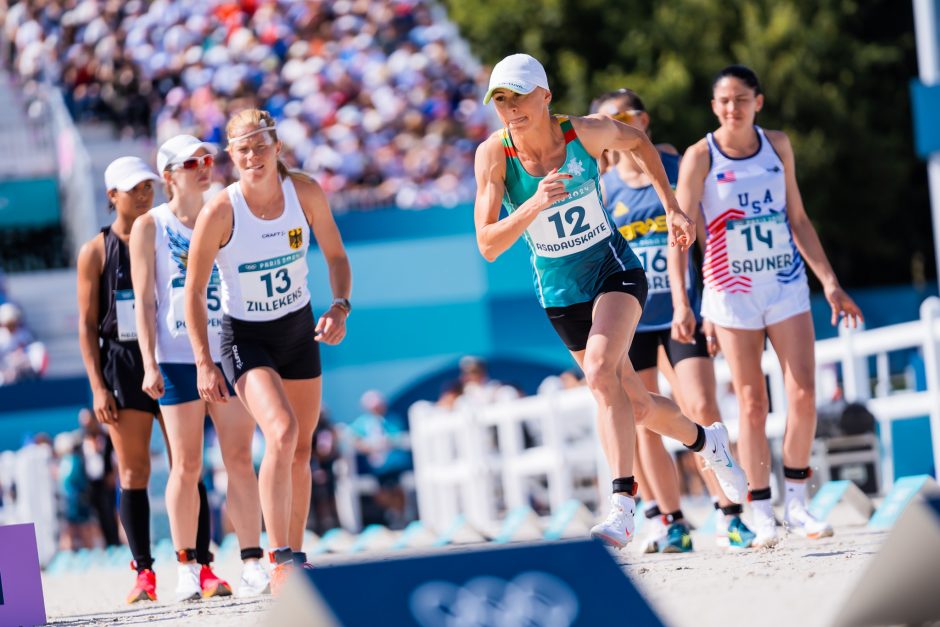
572, 226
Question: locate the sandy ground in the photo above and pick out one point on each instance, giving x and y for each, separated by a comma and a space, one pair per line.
800, 582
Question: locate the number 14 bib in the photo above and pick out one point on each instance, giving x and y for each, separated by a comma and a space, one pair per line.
568, 228
760, 245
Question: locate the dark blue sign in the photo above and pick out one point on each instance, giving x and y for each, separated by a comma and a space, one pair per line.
568, 583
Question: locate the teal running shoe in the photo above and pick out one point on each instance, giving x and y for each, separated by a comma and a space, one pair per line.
739, 536
678, 539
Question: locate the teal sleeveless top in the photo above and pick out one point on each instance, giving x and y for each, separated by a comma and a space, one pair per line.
571, 244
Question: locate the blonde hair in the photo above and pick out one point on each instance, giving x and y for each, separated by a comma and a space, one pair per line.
255, 119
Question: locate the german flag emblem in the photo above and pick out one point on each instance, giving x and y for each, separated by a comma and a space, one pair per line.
296, 238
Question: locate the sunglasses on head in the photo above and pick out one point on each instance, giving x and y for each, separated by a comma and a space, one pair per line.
194, 162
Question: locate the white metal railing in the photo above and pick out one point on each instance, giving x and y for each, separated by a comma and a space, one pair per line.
471, 461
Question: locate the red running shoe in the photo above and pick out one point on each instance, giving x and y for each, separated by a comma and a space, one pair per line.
145, 588
279, 575
211, 585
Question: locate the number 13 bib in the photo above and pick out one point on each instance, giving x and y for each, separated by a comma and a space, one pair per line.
568, 228
273, 284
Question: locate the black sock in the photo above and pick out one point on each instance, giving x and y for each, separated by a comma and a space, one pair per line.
673, 517
759, 495
699, 443
203, 556
300, 558
253, 552
732, 510
625, 484
135, 517
653, 512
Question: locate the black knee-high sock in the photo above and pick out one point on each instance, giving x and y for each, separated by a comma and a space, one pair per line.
203, 556
135, 517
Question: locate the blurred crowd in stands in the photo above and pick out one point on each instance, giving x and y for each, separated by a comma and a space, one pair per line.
21, 356
375, 98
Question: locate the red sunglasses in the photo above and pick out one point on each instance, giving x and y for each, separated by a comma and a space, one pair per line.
195, 162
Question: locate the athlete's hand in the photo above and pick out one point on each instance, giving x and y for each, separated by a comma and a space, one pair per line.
711, 338
683, 324
153, 383
551, 189
843, 306
211, 384
104, 406
681, 229
331, 327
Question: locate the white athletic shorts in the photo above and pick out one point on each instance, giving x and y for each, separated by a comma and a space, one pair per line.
763, 306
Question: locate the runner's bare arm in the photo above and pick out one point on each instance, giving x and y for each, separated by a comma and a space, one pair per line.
90, 265
142, 274
495, 236
331, 327
806, 238
213, 228
598, 133
692, 171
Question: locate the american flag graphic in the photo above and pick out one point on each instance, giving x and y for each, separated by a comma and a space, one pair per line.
726, 177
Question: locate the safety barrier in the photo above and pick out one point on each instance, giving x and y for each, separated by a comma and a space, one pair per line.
472, 460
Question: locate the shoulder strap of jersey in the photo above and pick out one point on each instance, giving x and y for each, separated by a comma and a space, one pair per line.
508, 149
567, 128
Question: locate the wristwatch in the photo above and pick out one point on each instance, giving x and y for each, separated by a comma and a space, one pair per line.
342, 303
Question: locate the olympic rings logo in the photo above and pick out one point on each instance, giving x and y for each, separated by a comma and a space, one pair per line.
531, 599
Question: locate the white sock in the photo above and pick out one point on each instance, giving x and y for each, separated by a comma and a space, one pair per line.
795, 491
763, 507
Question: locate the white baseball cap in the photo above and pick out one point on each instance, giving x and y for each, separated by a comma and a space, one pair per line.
520, 73
124, 173
179, 148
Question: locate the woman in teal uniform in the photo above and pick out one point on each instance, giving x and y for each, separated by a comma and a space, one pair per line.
542, 169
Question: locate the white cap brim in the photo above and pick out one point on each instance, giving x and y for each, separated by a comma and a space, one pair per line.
519, 87
131, 181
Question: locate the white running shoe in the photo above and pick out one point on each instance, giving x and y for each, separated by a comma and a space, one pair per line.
765, 528
617, 530
798, 520
654, 535
187, 583
717, 455
255, 580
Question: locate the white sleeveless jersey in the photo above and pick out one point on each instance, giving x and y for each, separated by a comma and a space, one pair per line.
744, 203
171, 245
263, 266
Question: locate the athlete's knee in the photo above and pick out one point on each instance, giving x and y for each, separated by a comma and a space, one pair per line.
753, 403
602, 374
135, 476
187, 468
282, 434
237, 459
303, 451
802, 394
703, 410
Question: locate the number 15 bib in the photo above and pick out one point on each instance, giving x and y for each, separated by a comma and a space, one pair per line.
570, 227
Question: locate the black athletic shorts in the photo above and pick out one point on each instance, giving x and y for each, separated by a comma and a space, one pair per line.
645, 348
573, 323
285, 345
123, 368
